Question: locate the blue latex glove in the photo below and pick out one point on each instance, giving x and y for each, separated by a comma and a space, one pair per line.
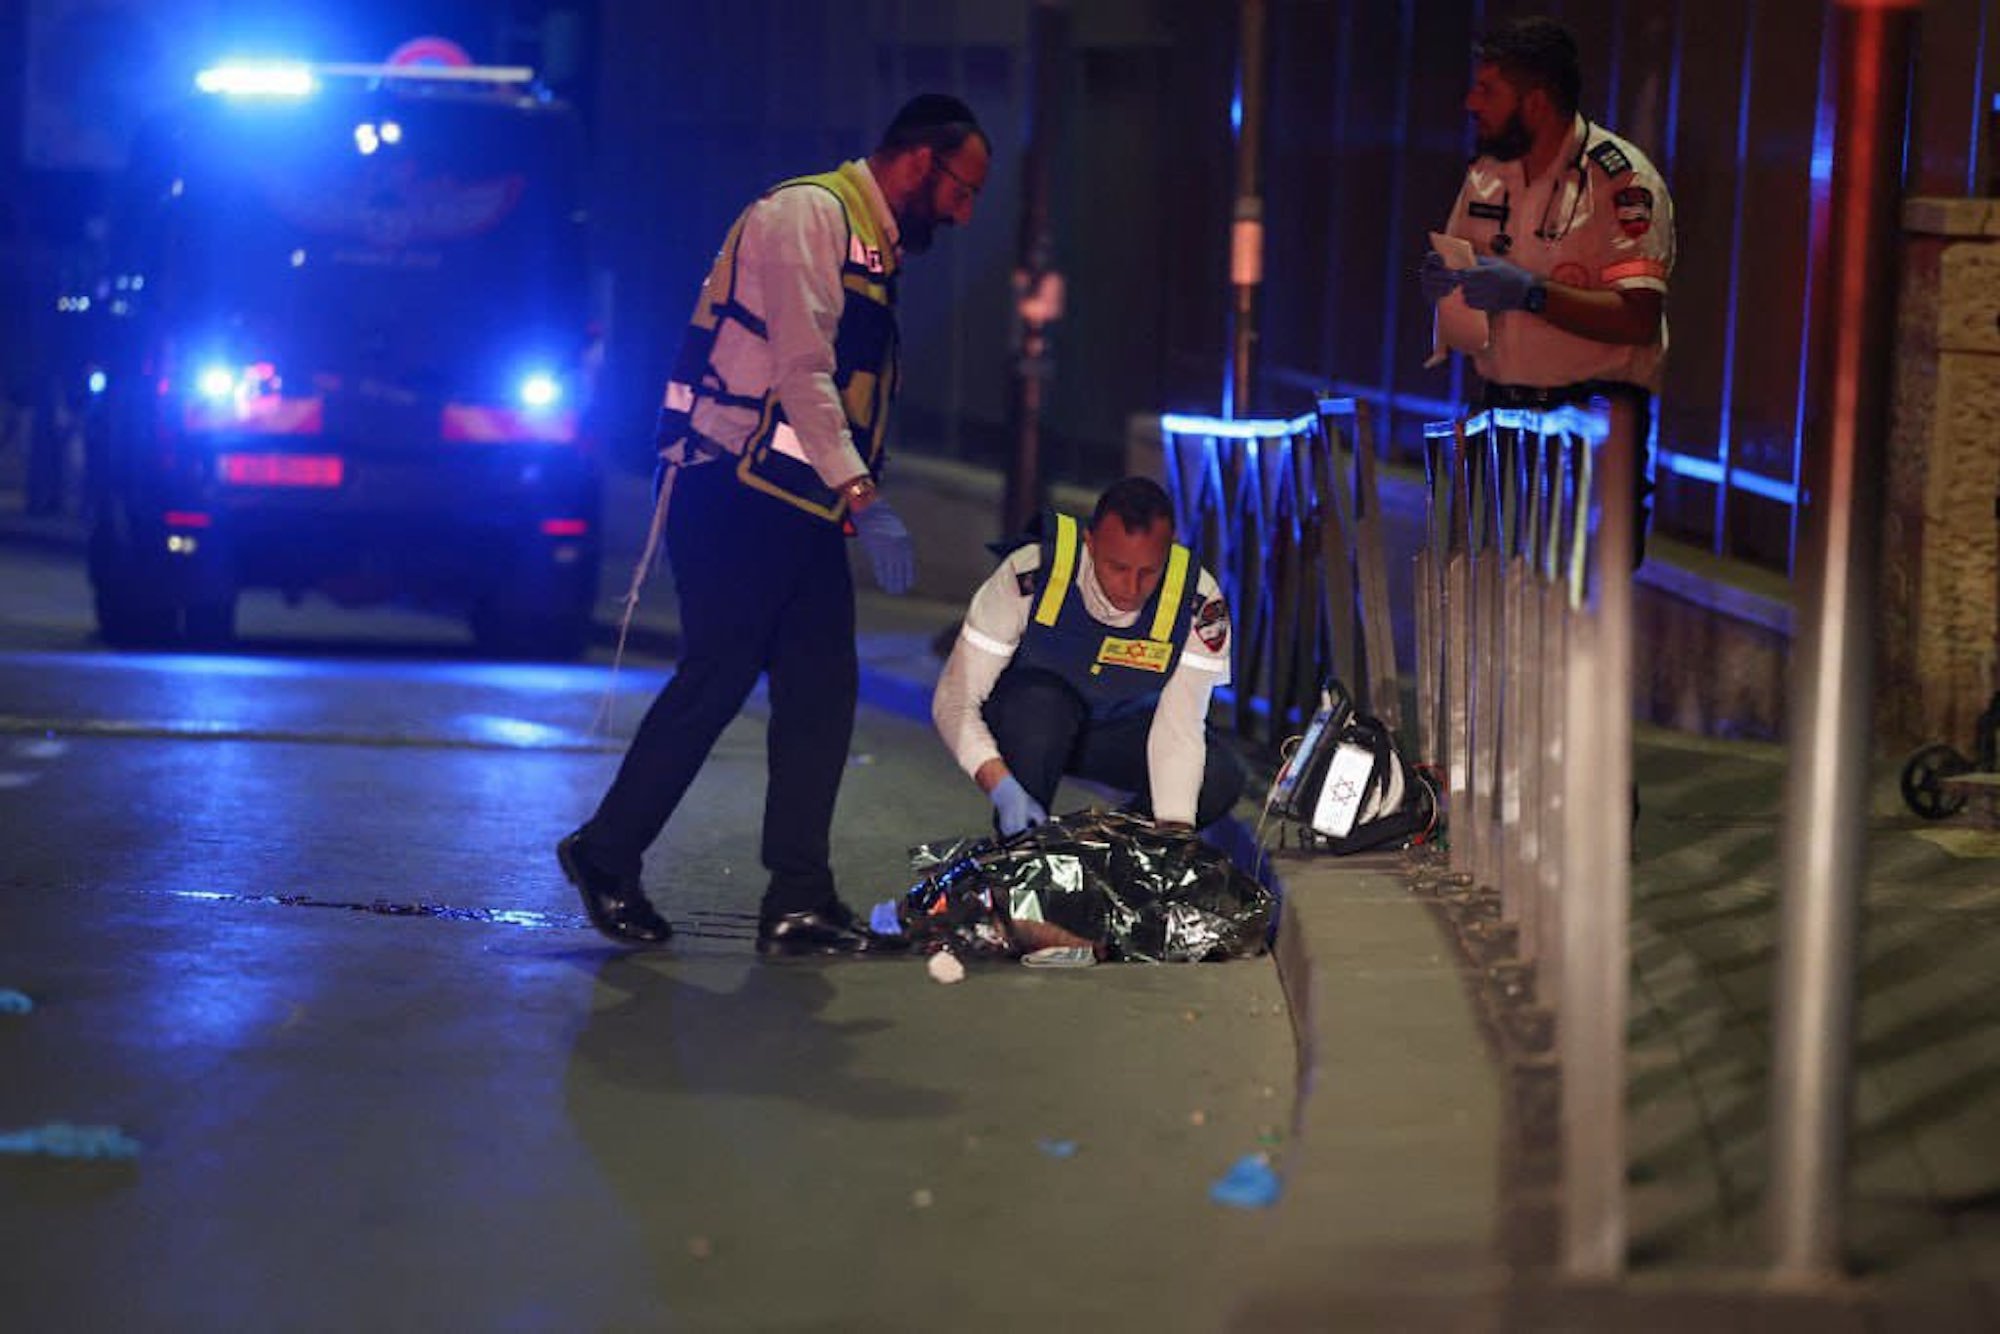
1496, 285
1017, 809
1437, 280
888, 546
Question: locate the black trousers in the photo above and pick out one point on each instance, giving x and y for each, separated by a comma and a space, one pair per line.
1044, 730
764, 590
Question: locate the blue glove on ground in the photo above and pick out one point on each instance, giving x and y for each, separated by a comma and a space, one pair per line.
1017, 809
888, 546
1496, 285
1437, 280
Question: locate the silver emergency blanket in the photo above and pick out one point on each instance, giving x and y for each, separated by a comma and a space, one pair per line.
1113, 881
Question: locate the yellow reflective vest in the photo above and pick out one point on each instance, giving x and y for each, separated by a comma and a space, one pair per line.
865, 371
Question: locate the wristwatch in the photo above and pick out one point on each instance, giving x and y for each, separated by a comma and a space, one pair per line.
861, 488
1536, 299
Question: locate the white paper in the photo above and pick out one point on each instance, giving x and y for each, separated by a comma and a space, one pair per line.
1458, 327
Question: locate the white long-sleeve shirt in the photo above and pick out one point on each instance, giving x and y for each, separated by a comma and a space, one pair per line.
1176, 743
788, 263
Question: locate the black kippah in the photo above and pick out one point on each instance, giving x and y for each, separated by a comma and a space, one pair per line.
926, 110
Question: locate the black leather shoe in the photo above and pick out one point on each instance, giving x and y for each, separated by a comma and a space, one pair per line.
617, 906
829, 930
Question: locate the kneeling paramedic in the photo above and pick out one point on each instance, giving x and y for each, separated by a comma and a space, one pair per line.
1093, 652
774, 424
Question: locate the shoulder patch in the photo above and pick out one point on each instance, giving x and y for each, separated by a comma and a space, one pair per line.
1635, 210
1211, 625
1611, 158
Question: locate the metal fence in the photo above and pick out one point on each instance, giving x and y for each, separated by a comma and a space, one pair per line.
1524, 671
1287, 517
1523, 692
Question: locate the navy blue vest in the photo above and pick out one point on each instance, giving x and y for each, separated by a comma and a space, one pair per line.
1116, 671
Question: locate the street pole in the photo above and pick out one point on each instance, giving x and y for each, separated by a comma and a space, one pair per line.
1038, 286
1246, 233
1826, 797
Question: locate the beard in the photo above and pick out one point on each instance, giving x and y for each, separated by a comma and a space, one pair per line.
917, 224
915, 233
1509, 144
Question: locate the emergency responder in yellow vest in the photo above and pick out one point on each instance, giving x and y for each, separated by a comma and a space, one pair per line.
771, 433
1093, 652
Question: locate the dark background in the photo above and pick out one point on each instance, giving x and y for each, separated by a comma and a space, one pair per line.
694, 105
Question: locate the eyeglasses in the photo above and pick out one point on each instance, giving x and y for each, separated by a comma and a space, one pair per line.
971, 190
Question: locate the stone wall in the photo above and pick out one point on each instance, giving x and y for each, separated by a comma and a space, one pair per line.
1940, 579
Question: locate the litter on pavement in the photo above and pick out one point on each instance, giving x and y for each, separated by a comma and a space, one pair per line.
1248, 1184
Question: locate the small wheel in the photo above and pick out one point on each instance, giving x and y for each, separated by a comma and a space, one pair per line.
1922, 788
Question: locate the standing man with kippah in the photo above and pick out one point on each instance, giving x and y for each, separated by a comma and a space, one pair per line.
771, 444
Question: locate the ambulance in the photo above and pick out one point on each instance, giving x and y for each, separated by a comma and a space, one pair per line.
350, 357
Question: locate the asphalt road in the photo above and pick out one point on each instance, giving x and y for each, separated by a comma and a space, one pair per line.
291, 923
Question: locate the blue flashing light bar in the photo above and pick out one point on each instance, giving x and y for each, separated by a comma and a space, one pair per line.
260, 79
1223, 428
292, 78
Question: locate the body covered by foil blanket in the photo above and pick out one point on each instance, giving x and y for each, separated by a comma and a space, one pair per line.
1112, 881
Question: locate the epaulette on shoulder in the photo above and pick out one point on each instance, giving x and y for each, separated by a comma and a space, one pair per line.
1611, 158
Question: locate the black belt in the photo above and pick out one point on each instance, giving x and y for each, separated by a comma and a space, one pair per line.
1540, 398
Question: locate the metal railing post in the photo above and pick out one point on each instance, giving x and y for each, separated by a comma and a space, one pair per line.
1596, 907
1486, 665
1429, 578
1457, 656
1826, 789
1381, 682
